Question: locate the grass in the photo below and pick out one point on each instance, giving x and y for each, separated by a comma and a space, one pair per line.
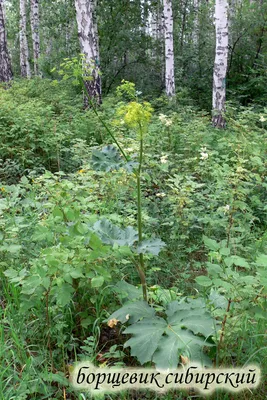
40, 338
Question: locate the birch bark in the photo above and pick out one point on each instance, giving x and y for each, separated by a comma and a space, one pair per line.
5, 63
220, 63
169, 54
88, 37
35, 34
24, 49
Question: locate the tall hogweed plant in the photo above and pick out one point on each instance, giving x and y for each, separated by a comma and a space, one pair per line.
185, 325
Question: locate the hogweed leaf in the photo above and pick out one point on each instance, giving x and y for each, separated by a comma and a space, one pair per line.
134, 311
146, 336
185, 331
106, 159
112, 234
150, 246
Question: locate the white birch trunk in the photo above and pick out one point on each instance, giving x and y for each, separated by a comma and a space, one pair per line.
88, 36
220, 63
35, 34
169, 54
5, 63
24, 49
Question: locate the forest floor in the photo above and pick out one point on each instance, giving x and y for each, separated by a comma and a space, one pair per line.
183, 202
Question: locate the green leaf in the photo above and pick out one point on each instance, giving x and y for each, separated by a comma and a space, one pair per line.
95, 242
161, 341
203, 281
71, 214
239, 261
224, 251
57, 212
97, 281
13, 248
30, 284
218, 300
223, 284
130, 166
146, 336
11, 273
75, 274
64, 294
128, 291
24, 180
165, 360
213, 269
250, 280
262, 260
134, 312
150, 246
107, 159
112, 234
210, 243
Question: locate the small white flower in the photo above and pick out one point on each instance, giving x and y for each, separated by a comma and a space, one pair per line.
164, 159
162, 117
262, 119
129, 149
226, 208
161, 194
204, 153
168, 122
165, 120
204, 156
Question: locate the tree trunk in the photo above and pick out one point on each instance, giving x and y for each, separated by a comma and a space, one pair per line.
35, 34
169, 54
5, 63
24, 49
88, 36
195, 33
220, 63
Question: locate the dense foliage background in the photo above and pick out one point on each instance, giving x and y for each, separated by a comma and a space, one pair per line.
69, 215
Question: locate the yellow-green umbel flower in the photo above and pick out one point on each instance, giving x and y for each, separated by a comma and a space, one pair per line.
136, 115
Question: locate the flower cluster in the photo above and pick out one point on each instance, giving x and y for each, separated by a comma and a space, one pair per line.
165, 120
136, 115
262, 119
164, 159
204, 155
226, 209
161, 194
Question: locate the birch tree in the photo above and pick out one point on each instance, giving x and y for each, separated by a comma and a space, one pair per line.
88, 37
35, 34
220, 63
5, 63
24, 49
169, 53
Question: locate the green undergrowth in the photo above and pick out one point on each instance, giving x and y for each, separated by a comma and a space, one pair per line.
69, 245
